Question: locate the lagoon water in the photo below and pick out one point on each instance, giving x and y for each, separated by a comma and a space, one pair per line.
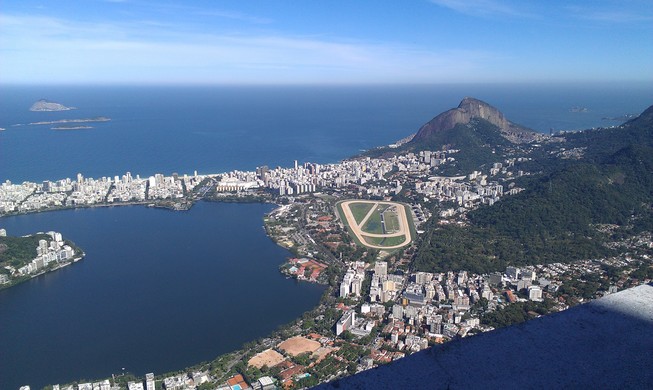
160, 290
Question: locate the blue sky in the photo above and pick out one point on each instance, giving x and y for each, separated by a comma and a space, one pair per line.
324, 42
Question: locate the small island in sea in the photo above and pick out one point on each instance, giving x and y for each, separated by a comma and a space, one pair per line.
71, 127
45, 105
64, 121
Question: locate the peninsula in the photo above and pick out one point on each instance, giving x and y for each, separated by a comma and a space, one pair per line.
23, 258
45, 105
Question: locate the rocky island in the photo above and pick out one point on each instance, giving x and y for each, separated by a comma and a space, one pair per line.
45, 105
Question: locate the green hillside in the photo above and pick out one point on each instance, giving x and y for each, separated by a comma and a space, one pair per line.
554, 219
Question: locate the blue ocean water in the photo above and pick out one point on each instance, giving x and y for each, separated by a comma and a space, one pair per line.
157, 291
161, 290
216, 129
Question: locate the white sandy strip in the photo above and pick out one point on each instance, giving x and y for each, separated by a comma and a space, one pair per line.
356, 228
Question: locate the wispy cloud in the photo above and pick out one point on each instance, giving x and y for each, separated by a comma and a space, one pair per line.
42, 49
611, 15
234, 15
486, 8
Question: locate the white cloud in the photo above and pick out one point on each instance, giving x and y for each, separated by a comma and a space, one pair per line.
40, 49
234, 15
611, 15
482, 8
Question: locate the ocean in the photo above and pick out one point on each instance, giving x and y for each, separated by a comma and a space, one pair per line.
217, 129
161, 290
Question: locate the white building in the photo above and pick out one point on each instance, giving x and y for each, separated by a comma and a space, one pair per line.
345, 322
535, 293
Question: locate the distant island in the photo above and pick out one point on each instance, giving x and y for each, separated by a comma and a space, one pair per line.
71, 127
45, 105
61, 121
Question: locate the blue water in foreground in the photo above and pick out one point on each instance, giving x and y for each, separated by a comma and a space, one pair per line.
157, 291
161, 290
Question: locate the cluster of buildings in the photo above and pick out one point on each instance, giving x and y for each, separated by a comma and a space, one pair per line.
352, 282
184, 381
431, 306
466, 191
48, 253
28, 196
384, 287
367, 175
309, 177
304, 269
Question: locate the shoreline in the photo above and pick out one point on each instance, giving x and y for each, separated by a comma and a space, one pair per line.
216, 357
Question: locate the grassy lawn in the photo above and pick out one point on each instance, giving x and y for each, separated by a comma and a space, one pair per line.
385, 241
391, 221
360, 210
373, 224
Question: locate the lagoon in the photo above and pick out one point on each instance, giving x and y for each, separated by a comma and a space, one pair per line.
157, 291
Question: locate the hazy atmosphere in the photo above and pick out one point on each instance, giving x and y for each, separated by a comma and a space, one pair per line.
333, 42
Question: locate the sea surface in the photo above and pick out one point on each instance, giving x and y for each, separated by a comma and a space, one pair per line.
161, 290
217, 129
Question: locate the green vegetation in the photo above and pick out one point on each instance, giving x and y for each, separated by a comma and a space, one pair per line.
360, 210
554, 219
480, 143
18, 251
391, 220
385, 241
373, 224
516, 313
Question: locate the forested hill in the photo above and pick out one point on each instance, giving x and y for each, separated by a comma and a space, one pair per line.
478, 131
555, 219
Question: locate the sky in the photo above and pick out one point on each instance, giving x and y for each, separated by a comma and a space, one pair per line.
324, 41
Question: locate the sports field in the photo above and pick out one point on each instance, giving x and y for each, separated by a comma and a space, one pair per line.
377, 224
269, 358
298, 345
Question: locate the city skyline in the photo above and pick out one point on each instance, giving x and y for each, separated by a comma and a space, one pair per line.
438, 41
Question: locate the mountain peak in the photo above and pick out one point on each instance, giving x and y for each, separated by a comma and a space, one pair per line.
472, 108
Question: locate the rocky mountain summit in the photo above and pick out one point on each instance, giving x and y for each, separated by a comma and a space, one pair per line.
471, 108
45, 105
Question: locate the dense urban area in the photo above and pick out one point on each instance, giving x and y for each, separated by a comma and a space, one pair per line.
380, 305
